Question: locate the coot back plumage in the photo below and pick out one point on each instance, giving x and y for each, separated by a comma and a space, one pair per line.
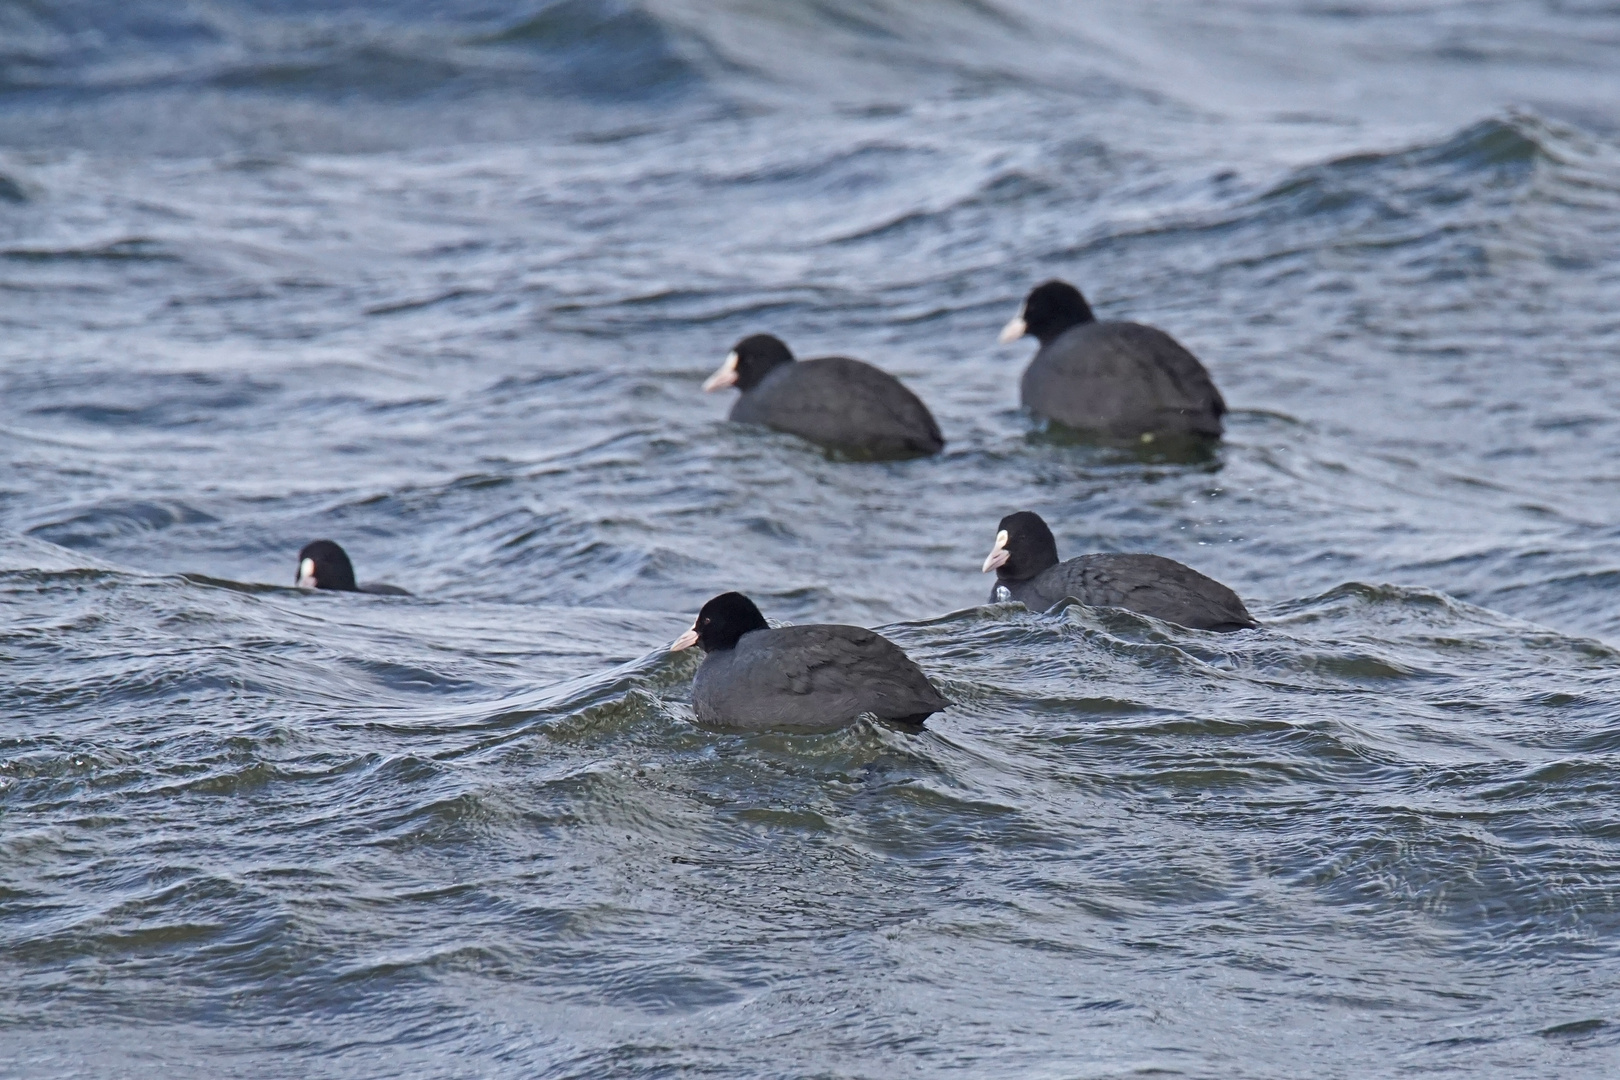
799, 678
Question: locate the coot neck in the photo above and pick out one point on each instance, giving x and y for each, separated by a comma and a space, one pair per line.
1023, 571
1060, 325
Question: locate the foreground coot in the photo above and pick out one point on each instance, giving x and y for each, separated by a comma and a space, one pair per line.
799, 678
1026, 563
835, 402
324, 565
1120, 380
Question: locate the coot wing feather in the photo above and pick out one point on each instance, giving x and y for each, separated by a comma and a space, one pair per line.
1148, 584
839, 402
1182, 380
812, 677
1123, 378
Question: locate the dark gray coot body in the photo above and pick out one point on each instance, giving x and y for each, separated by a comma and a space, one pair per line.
812, 678
1125, 380
1146, 584
834, 401
1120, 379
801, 678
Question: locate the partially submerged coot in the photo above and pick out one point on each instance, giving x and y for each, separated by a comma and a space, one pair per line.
323, 564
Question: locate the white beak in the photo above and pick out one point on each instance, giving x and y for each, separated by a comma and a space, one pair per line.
1014, 329
998, 555
306, 574
725, 375
685, 641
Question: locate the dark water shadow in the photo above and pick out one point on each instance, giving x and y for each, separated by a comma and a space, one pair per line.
1148, 449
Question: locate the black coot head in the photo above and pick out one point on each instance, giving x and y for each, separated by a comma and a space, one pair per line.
1050, 308
751, 359
1024, 547
722, 623
324, 565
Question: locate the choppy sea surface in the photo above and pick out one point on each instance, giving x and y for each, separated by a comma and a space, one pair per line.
440, 281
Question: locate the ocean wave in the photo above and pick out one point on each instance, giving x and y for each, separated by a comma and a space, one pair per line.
124, 249
28, 555
600, 50
605, 49
1462, 206
95, 525
13, 189
593, 49
1500, 152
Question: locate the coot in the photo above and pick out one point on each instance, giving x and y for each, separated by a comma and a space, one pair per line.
324, 565
1121, 380
835, 402
799, 678
1025, 560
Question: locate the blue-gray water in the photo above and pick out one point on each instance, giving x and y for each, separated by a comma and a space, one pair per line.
440, 281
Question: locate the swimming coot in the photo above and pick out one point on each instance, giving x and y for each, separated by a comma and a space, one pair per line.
799, 678
1121, 380
835, 402
1026, 563
324, 565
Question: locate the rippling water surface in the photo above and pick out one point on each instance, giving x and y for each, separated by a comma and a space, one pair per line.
440, 281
